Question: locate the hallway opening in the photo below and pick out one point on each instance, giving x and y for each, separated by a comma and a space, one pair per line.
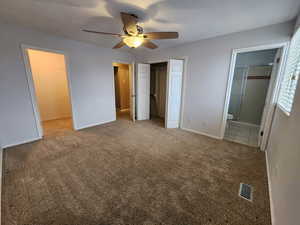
122, 90
51, 91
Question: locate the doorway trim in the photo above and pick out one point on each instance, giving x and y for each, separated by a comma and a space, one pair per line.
184, 78
31, 87
276, 86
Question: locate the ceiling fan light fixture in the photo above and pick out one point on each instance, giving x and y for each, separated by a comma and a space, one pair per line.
134, 35
133, 41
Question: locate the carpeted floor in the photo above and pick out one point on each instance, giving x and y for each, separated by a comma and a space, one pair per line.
134, 174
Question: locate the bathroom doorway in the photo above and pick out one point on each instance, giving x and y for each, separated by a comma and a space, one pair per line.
251, 100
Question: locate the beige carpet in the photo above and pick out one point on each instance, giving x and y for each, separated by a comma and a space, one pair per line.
134, 174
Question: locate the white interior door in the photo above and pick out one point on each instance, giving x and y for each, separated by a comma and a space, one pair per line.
143, 91
132, 91
174, 89
270, 104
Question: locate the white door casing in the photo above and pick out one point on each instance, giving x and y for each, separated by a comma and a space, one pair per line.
32, 88
270, 104
173, 94
143, 91
132, 90
276, 86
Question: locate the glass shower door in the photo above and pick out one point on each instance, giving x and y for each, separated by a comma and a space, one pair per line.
237, 91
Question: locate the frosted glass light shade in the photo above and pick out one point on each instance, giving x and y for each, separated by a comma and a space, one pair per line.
133, 42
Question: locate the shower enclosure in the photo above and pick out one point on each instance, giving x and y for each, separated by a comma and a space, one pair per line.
248, 93
237, 92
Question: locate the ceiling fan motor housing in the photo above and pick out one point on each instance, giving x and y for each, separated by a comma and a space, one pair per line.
139, 29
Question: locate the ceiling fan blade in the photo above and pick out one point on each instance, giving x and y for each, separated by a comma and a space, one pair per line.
149, 44
119, 45
99, 32
161, 35
129, 22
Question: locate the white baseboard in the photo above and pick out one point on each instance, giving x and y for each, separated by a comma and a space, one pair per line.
201, 133
95, 124
171, 124
1, 164
270, 190
39, 138
22, 142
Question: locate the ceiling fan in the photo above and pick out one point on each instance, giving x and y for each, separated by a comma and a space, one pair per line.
134, 35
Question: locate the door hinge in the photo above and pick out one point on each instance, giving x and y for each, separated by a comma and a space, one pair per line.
262, 133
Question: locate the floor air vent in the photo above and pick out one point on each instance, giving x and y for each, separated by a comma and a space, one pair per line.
246, 192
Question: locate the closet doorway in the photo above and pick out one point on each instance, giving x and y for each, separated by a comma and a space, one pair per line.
158, 87
48, 82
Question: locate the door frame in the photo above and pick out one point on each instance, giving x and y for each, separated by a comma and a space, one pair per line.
184, 81
275, 83
131, 71
31, 86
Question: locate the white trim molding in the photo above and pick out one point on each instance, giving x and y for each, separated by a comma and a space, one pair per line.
201, 133
96, 124
270, 190
22, 142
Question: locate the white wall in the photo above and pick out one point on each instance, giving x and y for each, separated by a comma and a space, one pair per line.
91, 78
50, 83
207, 72
283, 155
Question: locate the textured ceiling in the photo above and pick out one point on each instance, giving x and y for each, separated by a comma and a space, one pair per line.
193, 19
